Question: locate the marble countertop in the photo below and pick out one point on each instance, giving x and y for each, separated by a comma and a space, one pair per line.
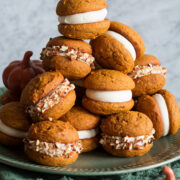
27, 25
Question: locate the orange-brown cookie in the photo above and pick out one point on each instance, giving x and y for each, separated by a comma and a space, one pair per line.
108, 92
82, 19
148, 75
48, 96
106, 108
118, 48
52, 143
14, 124
8, 96
89, 144
127, 134
73, 58
163, 110
87, 126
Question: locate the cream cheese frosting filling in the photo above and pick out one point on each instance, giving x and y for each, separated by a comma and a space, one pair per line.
109, 96
87, 134
164, 112
127, 44
11, 131
53, 98
82, 18
70, 53
127, 143
54, 149
140, 71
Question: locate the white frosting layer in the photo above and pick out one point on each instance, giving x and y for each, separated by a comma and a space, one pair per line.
86, 134
11, 131
164, 112
127, 44
109, 96
82, 18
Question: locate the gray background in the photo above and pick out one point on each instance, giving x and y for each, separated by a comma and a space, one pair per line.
28, 24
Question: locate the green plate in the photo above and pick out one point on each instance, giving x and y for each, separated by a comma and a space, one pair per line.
98, 162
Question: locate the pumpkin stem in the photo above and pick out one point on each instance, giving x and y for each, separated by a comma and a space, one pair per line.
26, 59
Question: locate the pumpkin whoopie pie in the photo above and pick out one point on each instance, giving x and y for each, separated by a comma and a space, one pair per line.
52, 143
8, 96
108, 92
73, 58
118, 47
14, 124
48, 96
148, 74
87, 126
127, 134
81, 19
163, 109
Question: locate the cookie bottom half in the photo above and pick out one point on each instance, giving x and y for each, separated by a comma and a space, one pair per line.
127, 153
149, 84
48, 160
106, 108
84, 31
89, 144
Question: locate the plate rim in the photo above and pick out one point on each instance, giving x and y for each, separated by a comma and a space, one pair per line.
48, 169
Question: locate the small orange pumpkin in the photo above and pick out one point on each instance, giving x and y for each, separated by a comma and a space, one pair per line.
18, 73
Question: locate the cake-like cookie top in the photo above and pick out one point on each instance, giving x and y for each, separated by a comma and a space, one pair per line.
13, 115
105, 79
81, 119
131, 35
147, 59
75, 44
69, 7
52, 132
129, 123
40, 86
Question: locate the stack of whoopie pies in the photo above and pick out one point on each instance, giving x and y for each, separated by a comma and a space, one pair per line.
86, 96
